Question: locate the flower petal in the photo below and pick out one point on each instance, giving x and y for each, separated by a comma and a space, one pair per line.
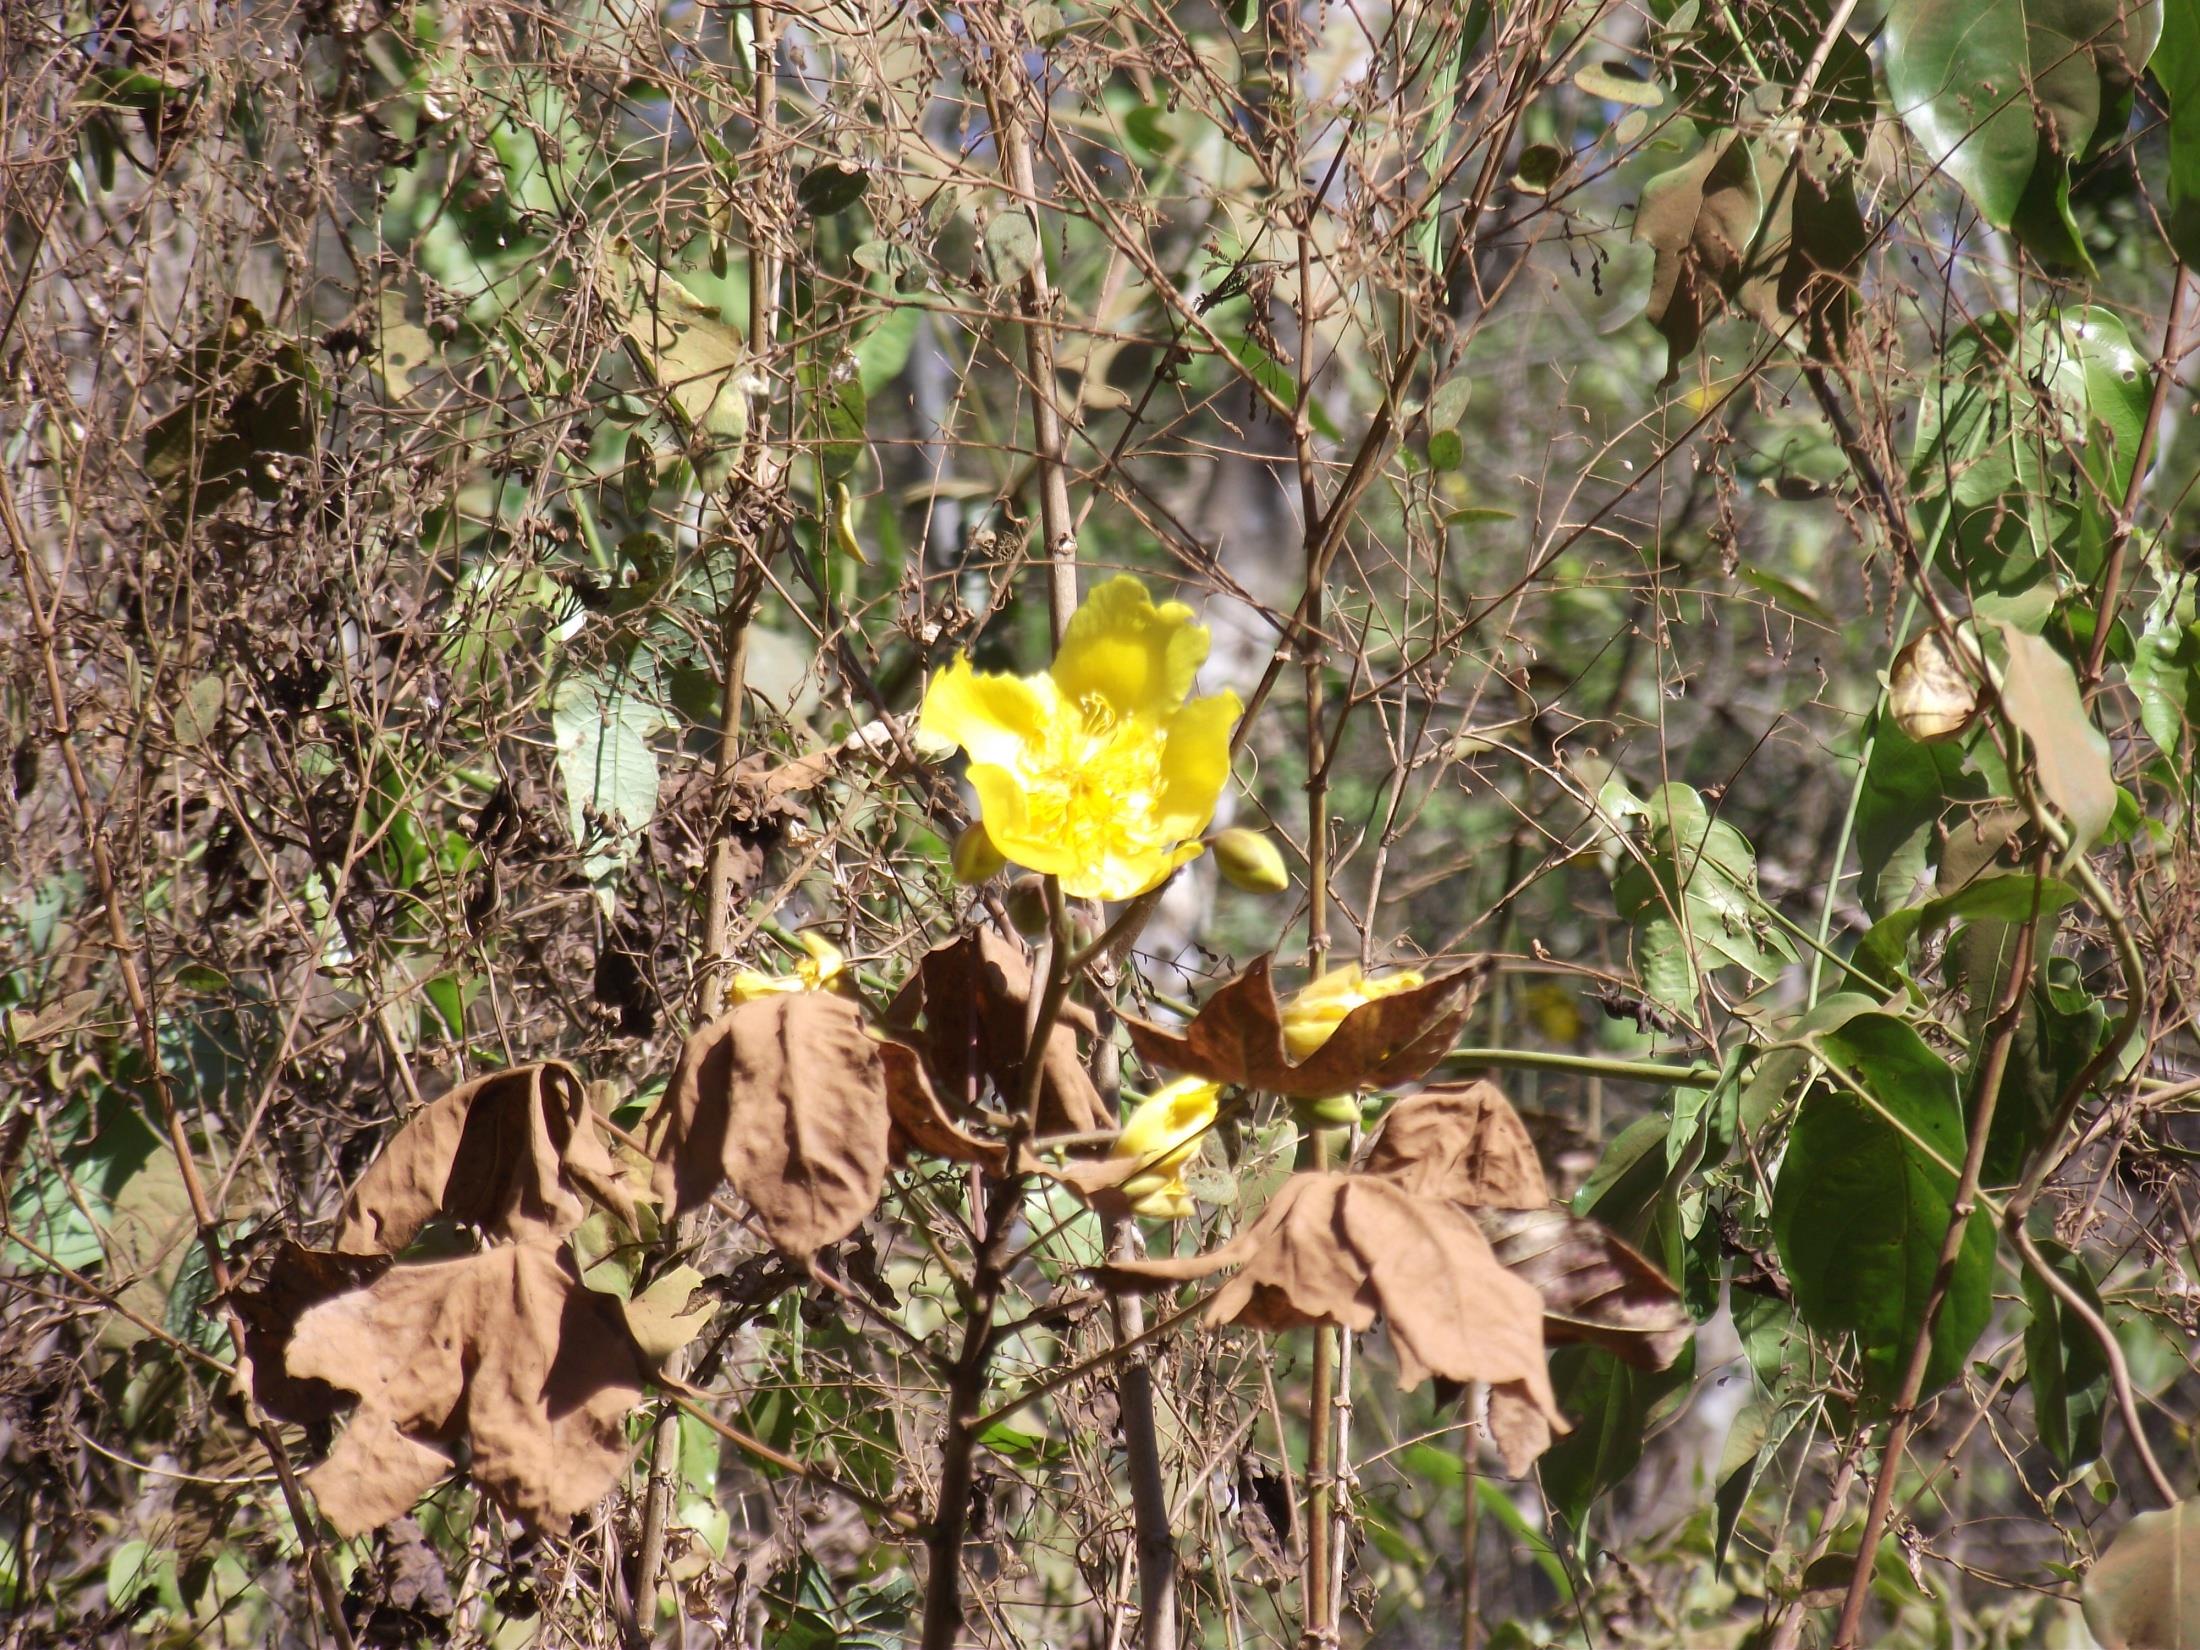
1008, 822
1195, 762
1126, 876
1137, 657
995, 718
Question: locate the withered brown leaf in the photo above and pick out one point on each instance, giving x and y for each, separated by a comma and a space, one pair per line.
268, 1305
785, 1097
1237, 1036
511, 1153
1463, 1141
1594, 1287
504, 1349
1344, 1249
973, 997
921, 1122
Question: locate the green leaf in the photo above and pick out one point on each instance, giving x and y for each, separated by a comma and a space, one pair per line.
2176, 65
833, 187
1619, 83
2164, 672
1691, 897
1863, 1202
2070, 757
838, 406
1610, 1404
2144, 1594
1700, 220
696, 356
2067, 1369
254, 402
610, 773
1540, 165
1446, 451
1907, 788
1011, 246
2006, 94
2006, 898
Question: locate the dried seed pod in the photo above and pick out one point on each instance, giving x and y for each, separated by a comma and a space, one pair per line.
1248, 860
1932, 691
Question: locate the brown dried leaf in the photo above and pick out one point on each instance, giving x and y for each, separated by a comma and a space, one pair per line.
1237, 1037
295, 1280
921, 1123
1463, 1141
505, 1349
972, 995
1594, 1287
1343, 1248
1520, 1431
786, 1098
510, 1153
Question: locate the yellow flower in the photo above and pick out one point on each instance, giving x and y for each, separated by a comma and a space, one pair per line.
817, 972
1103, 771
1311, 1017
1163, 1135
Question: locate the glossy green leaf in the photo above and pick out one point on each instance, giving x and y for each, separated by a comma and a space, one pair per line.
2005, 94
2176, 65
825, 190
1863, 1202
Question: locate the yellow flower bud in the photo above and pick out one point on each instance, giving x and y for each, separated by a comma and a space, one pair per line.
1162, 1135
1248, 860
1312, 1016
976, 859
1932, 690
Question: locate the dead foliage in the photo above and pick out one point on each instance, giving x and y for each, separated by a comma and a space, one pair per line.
510, 1154
785, 1098
1345, 1249
1237, 1037
1463, 1141
968, 1006
504, 1351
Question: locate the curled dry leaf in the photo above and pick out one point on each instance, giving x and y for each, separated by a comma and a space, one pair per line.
268, 1305
1344, 1249
510, 1153
1594, 1287
504, 1349
1237, 1037
921, 1122
1463, 1141
973, 997
786, 1098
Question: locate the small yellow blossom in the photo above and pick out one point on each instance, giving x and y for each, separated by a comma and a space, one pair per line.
1102, 771
1311, 1017
1163, 1135
817, 972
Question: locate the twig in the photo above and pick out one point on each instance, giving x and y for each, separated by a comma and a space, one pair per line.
124, 946
2119, 538
2008, 1014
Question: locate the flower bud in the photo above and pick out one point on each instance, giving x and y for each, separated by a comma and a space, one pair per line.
1027, 906
976, 859
1338, 1111
1248, 860
1932, 693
